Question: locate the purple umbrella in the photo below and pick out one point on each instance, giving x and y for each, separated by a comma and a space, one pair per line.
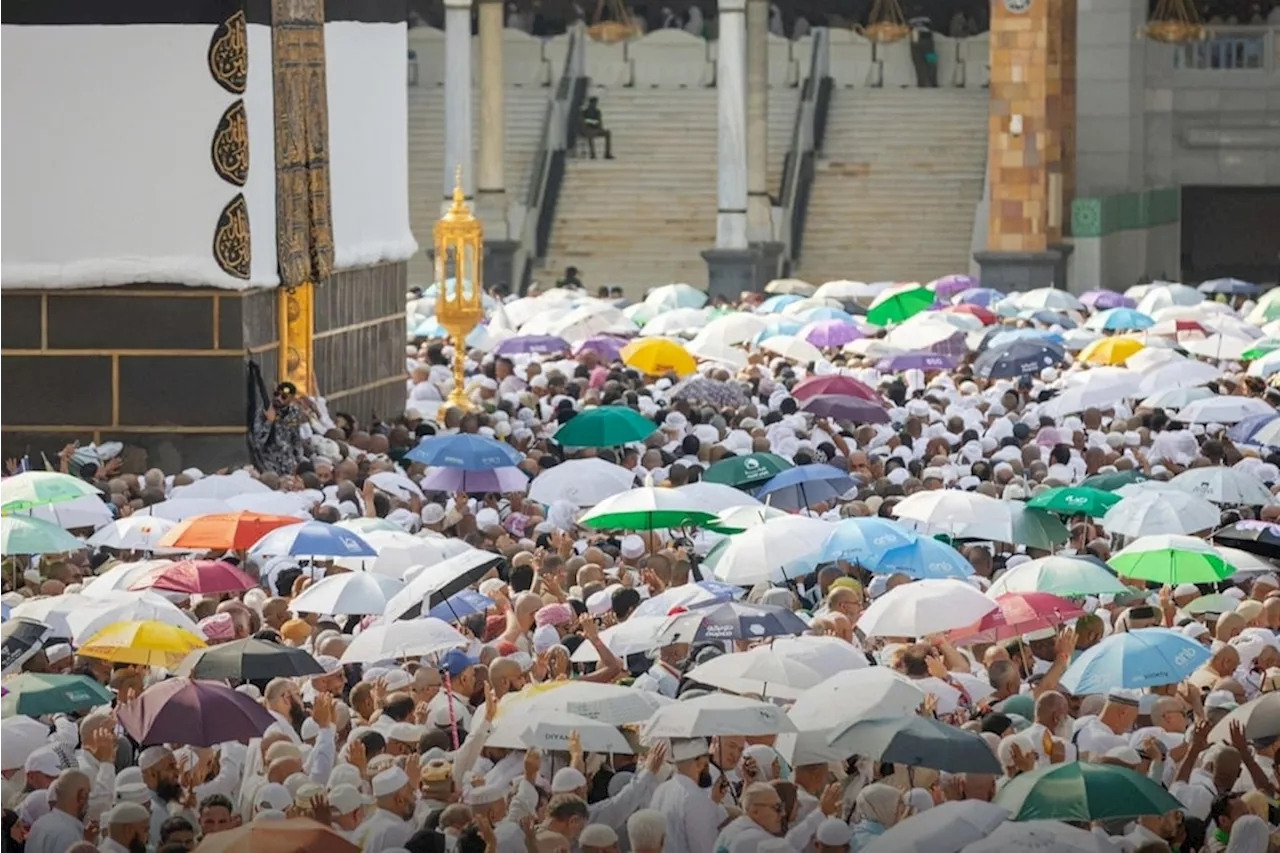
1101, 300
830, 333
605, 346
916, 361
983, 296
954, 346
193, 713
501, 480
539, 344
844, 407
949, 285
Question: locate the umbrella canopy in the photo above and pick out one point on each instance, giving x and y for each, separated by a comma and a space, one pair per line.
924, 607
1018, 613
1050, 298
460, 605
656, 356
1075, 500
864, 540
834, 384
550, 730
1018, 357
231, 531
606, 347
196, 577
744, 471
1101, 300
647, 508
1160, 510
605, 426
313, 539
805, 485
36, 488
146, 643
830, 333
1223, 410
74, 514
686, 595
765, 552
19, 737
539, 344
917, 741
916, 361
899, 303
792, 347
856, 694
768, 675
716, 714
715, 497
37, 694
612, 704
501, 480
581, 482
438, 581
1223, 485
22, 534
399, 552
134, 533
731, 620
1112, 350
349, 593
1064, 576
249, 659
464, 450
93, 613
1256, 537
292, 835
411, 638
846, 408
180, 509
945, 828
790, 285
924, 557
1041, 836
1146, 657
1119, 320
1078, 791
672, 296
1171, 559
712, 391
1260, 718
1111, 482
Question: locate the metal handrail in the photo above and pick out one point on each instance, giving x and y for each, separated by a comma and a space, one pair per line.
805, 133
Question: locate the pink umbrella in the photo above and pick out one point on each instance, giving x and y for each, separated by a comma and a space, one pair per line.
834, 384
501, 480
830, 333
1018, 613
949, 285
195, 577
193, 713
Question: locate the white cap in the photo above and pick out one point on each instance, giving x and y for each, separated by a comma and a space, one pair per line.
482, 795
1186, 589
57, 652
346, 798
43, 760
1220, 700
404, 733
152, 756
686, 748
328, 663
632, 546
126, 812
833, 832
396, 679
295, 782
1127, 754
597, 835
567, 779
273, 795
389, 781
310, 729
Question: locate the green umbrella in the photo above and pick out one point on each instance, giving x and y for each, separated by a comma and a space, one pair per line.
35, 694
22, 534
1075, 500
36, 488
1076, 791
1111, 482
1170, 559
1036, 528
898, 305
605, 426
741, 471
647, 508
1064, 576
1261, 348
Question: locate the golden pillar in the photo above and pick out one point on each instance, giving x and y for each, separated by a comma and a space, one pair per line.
297, 322
459, 249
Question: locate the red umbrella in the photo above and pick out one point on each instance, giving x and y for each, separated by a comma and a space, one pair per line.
834, 384
984, 314
1018, 613
196, 577
193, 713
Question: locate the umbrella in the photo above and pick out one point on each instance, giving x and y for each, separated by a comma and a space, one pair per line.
607, 347
1049, 298
1160, 510
856, 694
731, 620
1176, 373
22, 639
864, 540
93, 613
146, 643
1174, 398
716, 714
949, 285
19, 737
918, 742
397, 484
1040, 836
764, 553
292, 835
672, 296
834, 384
830, 333
924, 607
460, 605
120, 577
1111, 482
1223, 410
1101, 300
180, 509
1260, 718
1018, 357
581, 482
297, 504
745, 471
711, 391
399, 552
539, 344
22, 534
89, 511
1261, 348
1078, 791
686, 595
313, 539
1247, 430
37, 694
546, 729
411, 638
1145, 657
36, 488
775, 304
637, 634
767, 675
231, 531
945, 828
646, 508
656, 356
793, 348
1064, 576
1018, 613
1216, 604
790, 285
1119, 320
846, 408
1171, 559
1112, 350
1256, 537
439, 581
922, 557
1223, 485
948, 509
502, 480
134, 533
1075, 500
348, 593
613, 704
249, 659
682, 321
605, 426
196, 577
916, 361
805, 485
715, 497
464, 450
1034, 528
899, 303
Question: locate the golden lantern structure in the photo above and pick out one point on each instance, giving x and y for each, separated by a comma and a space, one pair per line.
886, 23
619, 26
459, 247
1174, 22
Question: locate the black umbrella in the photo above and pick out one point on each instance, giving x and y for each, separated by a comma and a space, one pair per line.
1019, 357
249, 659
436, 584
22, 639
917, 742
1256, 537
732, 620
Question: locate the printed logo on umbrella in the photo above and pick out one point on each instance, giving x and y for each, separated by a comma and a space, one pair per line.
751, 463
351, 544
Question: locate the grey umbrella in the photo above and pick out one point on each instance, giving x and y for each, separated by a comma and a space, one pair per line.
1261, 719
702, 390
917, 742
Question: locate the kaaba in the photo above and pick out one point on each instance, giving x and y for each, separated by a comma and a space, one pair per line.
190, 187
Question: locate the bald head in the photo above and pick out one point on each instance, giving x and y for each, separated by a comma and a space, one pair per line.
70, 793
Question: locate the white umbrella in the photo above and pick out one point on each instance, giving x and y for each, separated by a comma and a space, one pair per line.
637, 634
809, 303
641, 500
850, 291
1099, 387
679, 321
685, 595
1223, 485
399, 552
945, 828
925, 607
827, 655
792, 347
1223, 410
716, 714
21, 737
85, 511
1049, 298
948, 509
134, 533
1217, 346
220, 487
1178, 373
923, 333
1154, 511
1167, 295
1040, 836
715, 497
547, 318
743, 517
1085, 577
763, 553
360, 593
272, 503
396, 484
949, 697
854, 695
671, 296
790, 285
1150, 358
549, 730
1175, 398
1243, 562
871, 348
94, 614
581, 482
120, 577
729, 329
712, 350
612, 704
446, 576
587, 320
52, 610
412, 638
763, 673
178, 509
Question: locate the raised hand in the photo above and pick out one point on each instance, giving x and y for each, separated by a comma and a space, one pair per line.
490, 702
831, 799
657, 755
322, 710
532, 764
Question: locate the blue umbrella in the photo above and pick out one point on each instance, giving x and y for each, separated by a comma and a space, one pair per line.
4, 612
1230, 287
1049, 318
722, 591
464, 450
431, 328
1244, 431
777, 327
916, 361
1122, 320
983, 296
1147, 657
864, 540
925, 558
805, 485
460, 605
313, 539
774, 304
998, 337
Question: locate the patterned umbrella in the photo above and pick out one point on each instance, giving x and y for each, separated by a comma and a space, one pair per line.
916, 361
846, 408
830, 333
949, 285
711, 391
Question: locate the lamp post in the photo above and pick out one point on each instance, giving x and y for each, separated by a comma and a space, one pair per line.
459, 247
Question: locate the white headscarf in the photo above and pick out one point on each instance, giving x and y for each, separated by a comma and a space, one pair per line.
881, 803
1249, 834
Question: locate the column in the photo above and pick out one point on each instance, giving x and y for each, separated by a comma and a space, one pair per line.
759, 213
457, 99
491, 195
731, 265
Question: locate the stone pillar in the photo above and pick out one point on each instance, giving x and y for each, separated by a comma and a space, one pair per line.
1111, 97
731, 265
759, 204
491, 195
457, 100
1030, 143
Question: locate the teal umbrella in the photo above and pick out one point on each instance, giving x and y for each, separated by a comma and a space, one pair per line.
22, 534
605, 426
1075, 500
36, 694
36, 488
743, 471
1111, 482
1036, 528
1077, 791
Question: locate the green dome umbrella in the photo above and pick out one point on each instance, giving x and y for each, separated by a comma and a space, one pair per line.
743, 471
1065, 576
1036, 528
1261, 348
605, 426
1111, 482
647, 508
1076, 791
35, 694
36, 488
896, 305
1075, 500
1172, 559
22, 534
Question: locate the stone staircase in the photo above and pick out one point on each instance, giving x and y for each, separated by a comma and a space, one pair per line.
525, 109
895, 189
644, 218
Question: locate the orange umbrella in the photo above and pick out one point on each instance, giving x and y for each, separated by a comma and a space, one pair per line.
227, 531
293, 835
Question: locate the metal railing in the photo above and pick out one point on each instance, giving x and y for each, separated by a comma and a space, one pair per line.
1231, 48
806, 141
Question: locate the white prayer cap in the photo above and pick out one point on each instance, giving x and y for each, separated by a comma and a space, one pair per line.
153, 755
833, 832
273, 795
346, 798
597, 835
482, 795
684, 749
567, 779
126, 812
388, 782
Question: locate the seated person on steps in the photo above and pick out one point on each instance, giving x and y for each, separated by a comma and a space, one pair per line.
592, 126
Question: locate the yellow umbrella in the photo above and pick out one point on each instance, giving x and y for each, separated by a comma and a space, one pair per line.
656, 356
1110, 350
145, 642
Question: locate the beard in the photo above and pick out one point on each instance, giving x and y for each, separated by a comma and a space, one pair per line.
297, 714
138, 844
704, 778
168, 790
